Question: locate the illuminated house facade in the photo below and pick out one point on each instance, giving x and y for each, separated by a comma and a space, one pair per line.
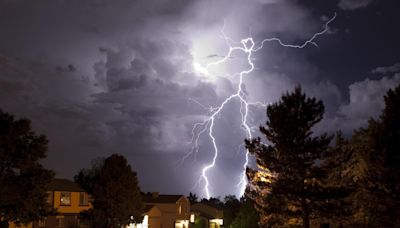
212, 217
174, 211
68, 200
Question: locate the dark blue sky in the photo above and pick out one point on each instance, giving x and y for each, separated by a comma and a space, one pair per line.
370, 39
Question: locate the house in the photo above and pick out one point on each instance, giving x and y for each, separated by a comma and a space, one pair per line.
211, 217
152, 218
174, 210
67, 199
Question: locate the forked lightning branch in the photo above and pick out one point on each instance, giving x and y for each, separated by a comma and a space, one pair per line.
249, 47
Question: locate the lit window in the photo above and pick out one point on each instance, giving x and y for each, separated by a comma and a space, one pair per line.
65, 199
180, 209
181, 223
83, 199
192, 218
217, 221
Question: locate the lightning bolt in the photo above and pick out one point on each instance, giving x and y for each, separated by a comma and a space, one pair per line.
249, 47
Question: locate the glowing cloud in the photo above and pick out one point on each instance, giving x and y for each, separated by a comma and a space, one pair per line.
248, 46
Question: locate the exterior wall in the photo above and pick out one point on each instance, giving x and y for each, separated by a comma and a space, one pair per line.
71, 220
184, 204
68, 215
12, 225
212, 212
73, 208
154, 222
170, 213
152, 219
212, 217
154, 216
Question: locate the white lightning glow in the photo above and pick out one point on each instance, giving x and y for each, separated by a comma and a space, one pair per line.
249, 47
200, 69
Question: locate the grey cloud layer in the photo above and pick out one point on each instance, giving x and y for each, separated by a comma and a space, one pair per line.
354, 4
99, 77
365, 102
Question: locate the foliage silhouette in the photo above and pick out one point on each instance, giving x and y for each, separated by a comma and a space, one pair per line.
116, 194
23, 180
289, 187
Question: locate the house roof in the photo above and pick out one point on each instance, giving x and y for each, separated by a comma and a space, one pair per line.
64, 185
156, 198
152, 210
147, 208
204, 215
206, 210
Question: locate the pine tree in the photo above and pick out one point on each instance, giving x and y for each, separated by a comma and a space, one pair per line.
340, 162
288, 186
375, 167
389, 140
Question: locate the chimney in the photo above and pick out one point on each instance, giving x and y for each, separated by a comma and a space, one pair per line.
155, 195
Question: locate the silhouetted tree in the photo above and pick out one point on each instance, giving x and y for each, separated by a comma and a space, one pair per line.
389, 147
375, 167
289, 185
231, 209
192, 198
339, 162
213, 202
116, 194
23, 180
247, 215
87, 177
357, 172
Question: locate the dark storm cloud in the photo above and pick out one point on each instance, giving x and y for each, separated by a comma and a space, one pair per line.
128, 105
354, 4
99, 77
388, 69
366, 101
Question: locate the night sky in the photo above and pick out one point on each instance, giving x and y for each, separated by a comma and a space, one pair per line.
99, 77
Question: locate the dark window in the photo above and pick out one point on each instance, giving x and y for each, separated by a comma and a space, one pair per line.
83, 199
50, 198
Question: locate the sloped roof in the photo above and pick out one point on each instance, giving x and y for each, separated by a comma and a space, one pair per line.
147, 208
207, 211
152, 210
64, 185
149, 198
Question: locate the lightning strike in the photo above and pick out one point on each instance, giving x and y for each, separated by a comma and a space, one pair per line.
247, 46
